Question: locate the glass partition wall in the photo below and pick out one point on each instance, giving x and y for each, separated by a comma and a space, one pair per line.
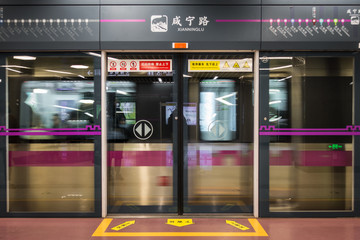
180, 134
308, 126
52, 127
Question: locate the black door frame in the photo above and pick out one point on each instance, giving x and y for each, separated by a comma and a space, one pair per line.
264, 205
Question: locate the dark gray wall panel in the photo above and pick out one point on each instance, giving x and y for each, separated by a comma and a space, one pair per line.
181, 2
151, 27
49, 27
307, 2
342, 32
48, 2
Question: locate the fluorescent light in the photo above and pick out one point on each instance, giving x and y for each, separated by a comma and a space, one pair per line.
69, 108
275, 119
160, 80
188, 76
79, 66
216, 77
94, 54
90, 115
274, 90
87, 101
283, 79
121, 92
39, 90
82, 76
14, 66
53, 71
114, 59
276, 68
13, 70
274, 102
272, 58
26, 58
222, 99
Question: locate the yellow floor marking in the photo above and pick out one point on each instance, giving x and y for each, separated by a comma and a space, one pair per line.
101, 232
179, 222
237, 225
124, 225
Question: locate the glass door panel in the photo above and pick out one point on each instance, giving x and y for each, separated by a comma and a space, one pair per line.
141, 94
208, 150
218, 134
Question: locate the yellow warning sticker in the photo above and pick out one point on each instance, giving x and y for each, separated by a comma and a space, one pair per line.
246, 65
179, 222
237, 225
204, 65
226, 65
220, 65
123, 225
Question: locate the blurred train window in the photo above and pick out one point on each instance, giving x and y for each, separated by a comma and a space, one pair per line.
310, 173
50, 92
50, 172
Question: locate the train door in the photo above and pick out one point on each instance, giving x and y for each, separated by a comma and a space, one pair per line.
180, 133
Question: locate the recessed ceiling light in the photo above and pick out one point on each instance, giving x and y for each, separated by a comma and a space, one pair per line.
24, 58
79, 66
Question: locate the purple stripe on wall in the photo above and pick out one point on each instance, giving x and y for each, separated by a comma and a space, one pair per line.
165, 158
309, 133
123, 20
50, 133
140, 158
238, 20
326, 158
51, 158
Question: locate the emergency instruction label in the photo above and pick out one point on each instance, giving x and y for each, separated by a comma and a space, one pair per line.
225, 65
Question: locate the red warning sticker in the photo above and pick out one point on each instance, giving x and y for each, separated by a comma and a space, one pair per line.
155, 65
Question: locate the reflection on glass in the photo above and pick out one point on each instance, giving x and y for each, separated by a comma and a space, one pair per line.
56, 104
310, 172
219, 147
50, 173
141, 156
217, 110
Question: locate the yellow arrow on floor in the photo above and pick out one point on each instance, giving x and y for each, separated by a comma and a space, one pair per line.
237, 225
123, 225
179, 222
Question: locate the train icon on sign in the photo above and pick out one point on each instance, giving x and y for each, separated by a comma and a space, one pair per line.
159, 23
